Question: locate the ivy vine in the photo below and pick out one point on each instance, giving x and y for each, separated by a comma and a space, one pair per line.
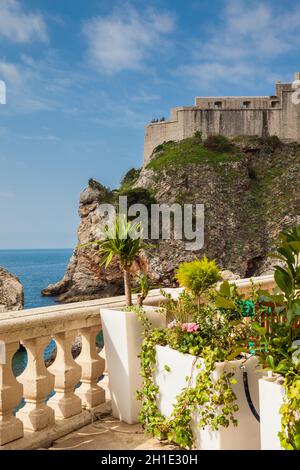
214, 402
290, 416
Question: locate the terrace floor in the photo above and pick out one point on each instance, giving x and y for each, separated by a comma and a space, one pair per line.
108, 433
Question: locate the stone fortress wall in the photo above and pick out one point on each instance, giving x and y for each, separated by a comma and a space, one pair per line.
231, 116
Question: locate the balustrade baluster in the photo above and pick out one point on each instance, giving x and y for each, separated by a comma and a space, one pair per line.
92, 366
37, 383
11, 392
67, 374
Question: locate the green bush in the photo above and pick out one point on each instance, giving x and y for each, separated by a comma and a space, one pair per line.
130, 177
198, 276
105, 194
271, 142
198, 135
138, 196
218, 143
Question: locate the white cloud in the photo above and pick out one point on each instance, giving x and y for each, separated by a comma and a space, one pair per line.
35, 85
42, 137
24, 89
249, 37
19, 26
123, 41
10, 73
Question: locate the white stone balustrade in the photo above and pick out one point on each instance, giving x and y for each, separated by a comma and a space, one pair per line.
92, 366
33, 329
37, 384
11, 392
67, 375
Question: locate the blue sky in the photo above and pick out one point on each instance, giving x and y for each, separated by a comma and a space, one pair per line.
84, 76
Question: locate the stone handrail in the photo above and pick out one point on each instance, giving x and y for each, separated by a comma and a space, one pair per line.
34, 329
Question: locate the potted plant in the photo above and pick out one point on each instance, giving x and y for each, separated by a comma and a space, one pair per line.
280, 391
122, 331
192, 390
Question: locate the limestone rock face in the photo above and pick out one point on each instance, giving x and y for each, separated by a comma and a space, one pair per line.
84, 278
247, 202
11, 292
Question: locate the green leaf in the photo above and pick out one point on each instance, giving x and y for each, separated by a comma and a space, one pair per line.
270, 362
283, 281
225, 289
295, 246
283, 366
296, 307
235, 352
221, 302
260, 329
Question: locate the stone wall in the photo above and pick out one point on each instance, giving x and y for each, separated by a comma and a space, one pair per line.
230, 116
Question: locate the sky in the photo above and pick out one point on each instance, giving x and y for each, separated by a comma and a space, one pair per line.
83, 77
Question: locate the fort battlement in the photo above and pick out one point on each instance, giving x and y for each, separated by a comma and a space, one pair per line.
231, 116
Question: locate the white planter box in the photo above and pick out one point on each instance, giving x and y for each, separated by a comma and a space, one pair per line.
246, 435
123, 334
270, 399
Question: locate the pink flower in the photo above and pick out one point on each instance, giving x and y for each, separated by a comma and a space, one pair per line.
190, 327
172, 324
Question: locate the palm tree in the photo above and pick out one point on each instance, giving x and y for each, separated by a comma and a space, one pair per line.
121, 240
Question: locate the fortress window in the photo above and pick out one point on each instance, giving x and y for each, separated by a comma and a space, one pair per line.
218, 105
246, 104
274, 104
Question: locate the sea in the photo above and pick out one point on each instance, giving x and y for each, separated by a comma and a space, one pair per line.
36, 269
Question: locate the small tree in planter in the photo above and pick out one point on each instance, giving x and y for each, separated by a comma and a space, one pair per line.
144, 287
198, 276
282, 355
122, 330
190, 372
123, 241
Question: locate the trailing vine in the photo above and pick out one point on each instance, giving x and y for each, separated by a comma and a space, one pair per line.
214, 402
290, 415
283, 336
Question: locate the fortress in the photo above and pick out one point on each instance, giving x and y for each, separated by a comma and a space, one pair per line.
232, 116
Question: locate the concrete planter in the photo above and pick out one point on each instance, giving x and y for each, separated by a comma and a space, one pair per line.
123, 334
271, 396
246, 435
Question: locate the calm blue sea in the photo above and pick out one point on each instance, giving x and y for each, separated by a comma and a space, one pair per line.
35, 269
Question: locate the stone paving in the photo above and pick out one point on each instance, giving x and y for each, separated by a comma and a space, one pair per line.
109, 434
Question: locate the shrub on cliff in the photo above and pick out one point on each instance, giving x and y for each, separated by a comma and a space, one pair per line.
139, 196
105, 194
218, 143
130, 178
270, 143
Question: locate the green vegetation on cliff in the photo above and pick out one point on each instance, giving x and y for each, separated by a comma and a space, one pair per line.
193, 150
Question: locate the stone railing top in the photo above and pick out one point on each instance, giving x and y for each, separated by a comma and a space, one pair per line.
50, 320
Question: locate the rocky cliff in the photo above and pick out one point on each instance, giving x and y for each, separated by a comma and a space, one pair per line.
250, 191
11, 292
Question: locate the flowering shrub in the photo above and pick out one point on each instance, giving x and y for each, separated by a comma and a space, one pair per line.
213, 336
190, 327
